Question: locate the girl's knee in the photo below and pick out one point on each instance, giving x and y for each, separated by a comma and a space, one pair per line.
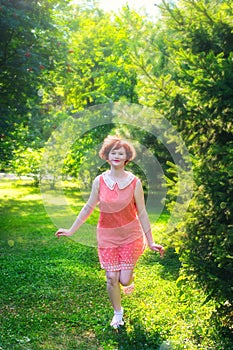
112, 277
126, 279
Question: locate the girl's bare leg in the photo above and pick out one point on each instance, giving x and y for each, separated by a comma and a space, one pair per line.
114, 292
113, 288
126, 277
114, 279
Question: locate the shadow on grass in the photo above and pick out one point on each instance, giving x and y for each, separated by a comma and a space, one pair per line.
169, 265
99, 335
134, 337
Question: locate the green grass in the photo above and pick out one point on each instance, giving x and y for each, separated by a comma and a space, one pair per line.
53, 293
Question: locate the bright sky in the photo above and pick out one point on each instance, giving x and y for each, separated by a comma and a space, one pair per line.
111, 5
108, 5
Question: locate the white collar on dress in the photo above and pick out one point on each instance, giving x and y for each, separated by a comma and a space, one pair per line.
122, 184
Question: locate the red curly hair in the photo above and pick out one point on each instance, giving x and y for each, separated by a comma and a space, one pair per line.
115, 142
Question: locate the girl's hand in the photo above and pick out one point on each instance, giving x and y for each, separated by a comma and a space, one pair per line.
157, 248
62, 232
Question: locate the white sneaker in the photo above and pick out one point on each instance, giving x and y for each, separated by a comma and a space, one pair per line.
117, 320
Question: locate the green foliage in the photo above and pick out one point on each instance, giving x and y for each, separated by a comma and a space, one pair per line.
83, 157
194, 89
209, 241
56, 58
29, 49
204, 78
27, 162
98, 67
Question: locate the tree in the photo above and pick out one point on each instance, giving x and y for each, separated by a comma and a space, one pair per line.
99, 64
27, 162
98, 71
56, 60
194, 88
29, 48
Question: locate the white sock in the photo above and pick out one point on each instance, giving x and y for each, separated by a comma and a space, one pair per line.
117, 319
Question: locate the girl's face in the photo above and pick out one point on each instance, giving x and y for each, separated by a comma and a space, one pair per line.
117, 157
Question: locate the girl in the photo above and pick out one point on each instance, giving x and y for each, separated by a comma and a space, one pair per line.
123, 223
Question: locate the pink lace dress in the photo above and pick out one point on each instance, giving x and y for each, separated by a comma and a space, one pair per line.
120, 237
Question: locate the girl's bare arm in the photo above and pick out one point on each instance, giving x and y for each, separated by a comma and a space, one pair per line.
84, 213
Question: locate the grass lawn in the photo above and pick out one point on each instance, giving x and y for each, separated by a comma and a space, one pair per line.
53, 293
